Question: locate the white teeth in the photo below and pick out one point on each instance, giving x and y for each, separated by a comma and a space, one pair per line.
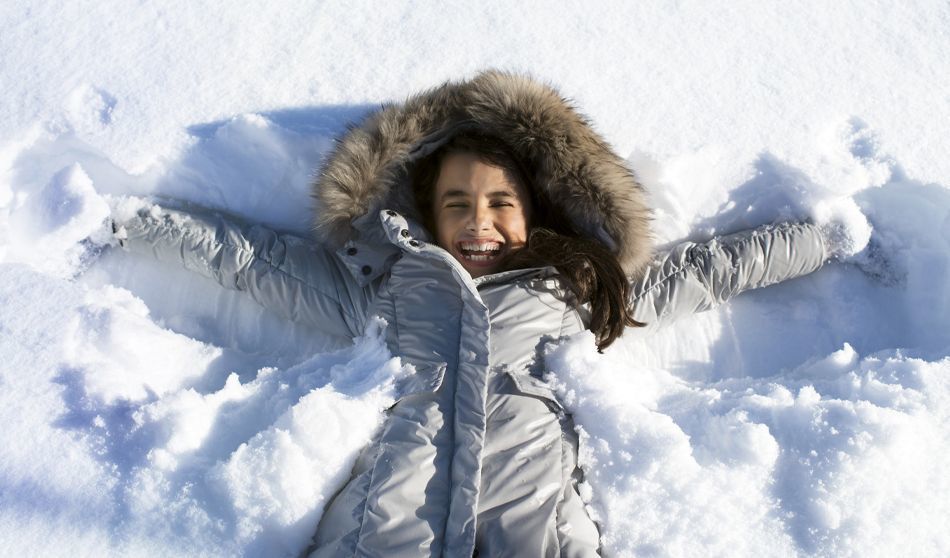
480, 246
479, 251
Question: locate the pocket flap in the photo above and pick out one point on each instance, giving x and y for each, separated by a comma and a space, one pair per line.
530, 385
427, 379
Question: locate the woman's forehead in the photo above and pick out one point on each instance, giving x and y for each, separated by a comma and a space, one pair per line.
466, 174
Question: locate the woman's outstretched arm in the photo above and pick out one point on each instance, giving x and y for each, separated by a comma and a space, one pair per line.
284, 273
696, 277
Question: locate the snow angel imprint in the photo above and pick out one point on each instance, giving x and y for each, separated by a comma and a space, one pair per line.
481, 220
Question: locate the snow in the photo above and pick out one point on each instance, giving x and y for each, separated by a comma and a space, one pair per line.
839, 456
147, 411
249, 467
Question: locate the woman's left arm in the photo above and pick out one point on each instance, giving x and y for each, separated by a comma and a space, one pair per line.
696, 277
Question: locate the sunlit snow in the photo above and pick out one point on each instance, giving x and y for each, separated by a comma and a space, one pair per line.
147, 411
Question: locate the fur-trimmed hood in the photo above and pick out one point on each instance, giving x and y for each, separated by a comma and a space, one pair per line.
367, 170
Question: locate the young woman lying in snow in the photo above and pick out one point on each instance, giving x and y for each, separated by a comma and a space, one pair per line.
481, 220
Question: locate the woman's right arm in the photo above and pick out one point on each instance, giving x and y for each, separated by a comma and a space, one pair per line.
284, 273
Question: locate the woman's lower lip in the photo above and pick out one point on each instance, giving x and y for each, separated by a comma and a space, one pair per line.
487, 262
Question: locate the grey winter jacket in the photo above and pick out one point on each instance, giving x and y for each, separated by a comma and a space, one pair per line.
476, 454
476, 448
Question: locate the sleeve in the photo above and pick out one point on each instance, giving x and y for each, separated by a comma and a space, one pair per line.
282, 272
697, 277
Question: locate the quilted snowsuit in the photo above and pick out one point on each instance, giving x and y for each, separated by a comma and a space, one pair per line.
476, 454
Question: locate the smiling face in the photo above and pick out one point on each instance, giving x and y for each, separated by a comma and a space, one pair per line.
481, 212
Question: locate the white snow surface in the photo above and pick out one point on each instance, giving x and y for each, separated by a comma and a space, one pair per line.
149, 412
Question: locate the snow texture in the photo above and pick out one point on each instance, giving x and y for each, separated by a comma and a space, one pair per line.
148, 412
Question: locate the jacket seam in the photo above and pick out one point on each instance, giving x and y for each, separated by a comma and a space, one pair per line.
365, 510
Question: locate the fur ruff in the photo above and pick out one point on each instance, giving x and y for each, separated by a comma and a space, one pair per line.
367, 169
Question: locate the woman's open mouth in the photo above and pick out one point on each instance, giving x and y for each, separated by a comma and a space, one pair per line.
479, 251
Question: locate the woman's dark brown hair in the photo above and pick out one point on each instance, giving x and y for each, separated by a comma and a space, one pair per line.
590, 270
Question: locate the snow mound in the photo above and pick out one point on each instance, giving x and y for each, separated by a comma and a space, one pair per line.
244, 469
838, 457
51, 228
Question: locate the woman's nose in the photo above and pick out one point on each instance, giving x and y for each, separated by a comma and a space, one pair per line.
479, 220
